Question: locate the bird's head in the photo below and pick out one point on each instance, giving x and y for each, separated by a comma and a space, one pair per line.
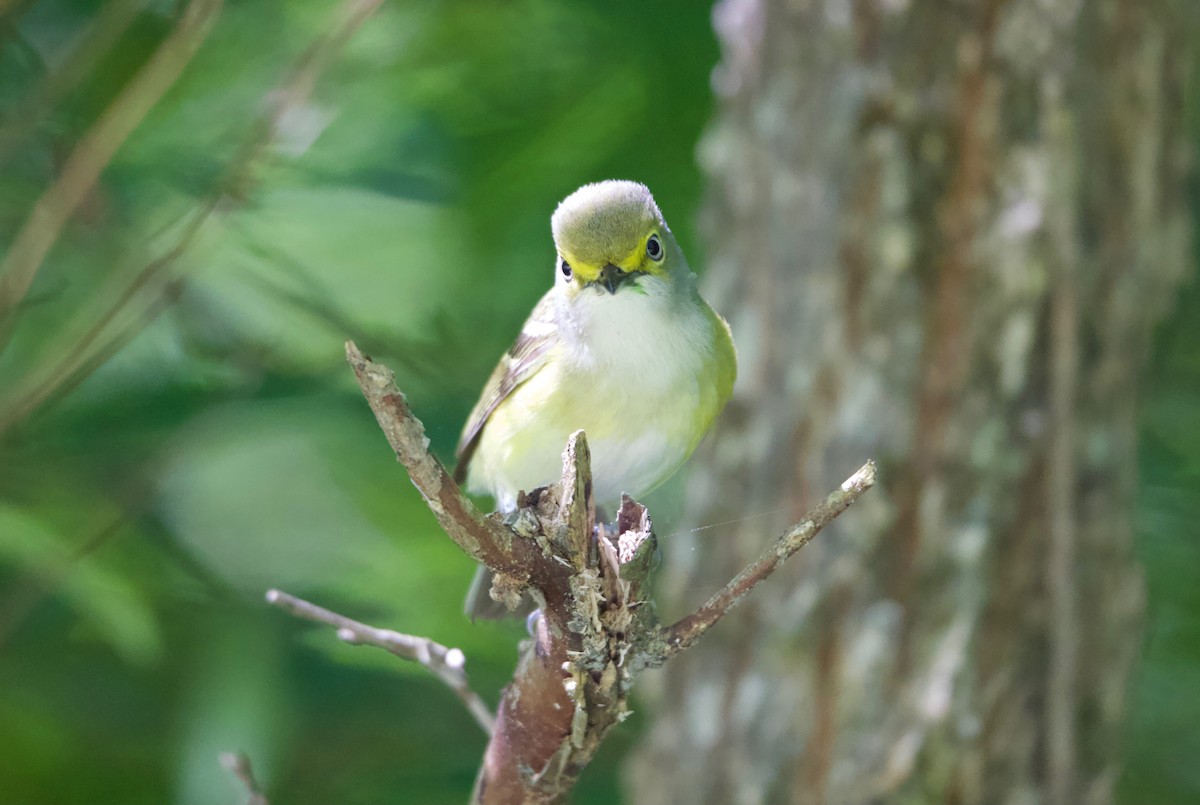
612, 239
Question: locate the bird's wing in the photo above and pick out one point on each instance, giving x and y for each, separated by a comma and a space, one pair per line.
524, 358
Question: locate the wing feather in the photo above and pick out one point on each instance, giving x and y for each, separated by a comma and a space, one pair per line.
524, 358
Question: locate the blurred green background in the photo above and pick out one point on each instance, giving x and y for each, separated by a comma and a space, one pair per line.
179, 432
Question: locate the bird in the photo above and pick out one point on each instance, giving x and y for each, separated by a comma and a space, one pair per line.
622, 346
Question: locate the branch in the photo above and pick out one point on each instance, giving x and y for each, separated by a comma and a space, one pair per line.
83, 355
111, 21
486, 540
93, 153
597, 627
688, 630
445, 663
237, 764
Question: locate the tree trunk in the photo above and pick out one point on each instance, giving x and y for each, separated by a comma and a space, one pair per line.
942, 233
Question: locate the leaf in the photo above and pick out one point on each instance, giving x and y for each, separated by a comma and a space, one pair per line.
102, 597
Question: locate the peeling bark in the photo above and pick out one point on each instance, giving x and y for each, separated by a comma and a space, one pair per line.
943, 232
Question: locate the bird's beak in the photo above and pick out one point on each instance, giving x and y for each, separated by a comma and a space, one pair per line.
611, 277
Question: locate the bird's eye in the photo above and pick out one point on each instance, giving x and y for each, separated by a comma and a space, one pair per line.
565, 267
654, 248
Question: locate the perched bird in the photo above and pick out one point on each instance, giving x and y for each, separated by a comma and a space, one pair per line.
623, 347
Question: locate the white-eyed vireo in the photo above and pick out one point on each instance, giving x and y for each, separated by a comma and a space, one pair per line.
623, 347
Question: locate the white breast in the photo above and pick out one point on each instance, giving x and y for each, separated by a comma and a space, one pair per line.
643, 358
652, 338
635, 371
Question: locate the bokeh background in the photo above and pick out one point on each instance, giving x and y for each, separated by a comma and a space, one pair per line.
179, 432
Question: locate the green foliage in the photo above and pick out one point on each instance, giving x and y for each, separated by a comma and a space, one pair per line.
173, 442
158, 473
1164, 706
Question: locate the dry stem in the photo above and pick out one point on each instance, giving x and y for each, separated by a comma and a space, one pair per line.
237, 764
103, 339
445, 663
597, 629
94, 152
688, 630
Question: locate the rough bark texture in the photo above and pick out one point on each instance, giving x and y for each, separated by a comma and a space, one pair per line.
943, 232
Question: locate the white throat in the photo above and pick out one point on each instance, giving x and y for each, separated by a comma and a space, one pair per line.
644, 335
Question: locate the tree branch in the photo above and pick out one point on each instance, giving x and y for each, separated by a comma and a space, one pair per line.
485, 539
597, 627
93, 153
82, 355
110, 22
688, 630
237, 764
445, 663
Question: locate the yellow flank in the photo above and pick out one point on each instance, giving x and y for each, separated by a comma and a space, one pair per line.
726, 357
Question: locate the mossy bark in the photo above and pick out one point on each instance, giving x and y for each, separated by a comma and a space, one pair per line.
942, 232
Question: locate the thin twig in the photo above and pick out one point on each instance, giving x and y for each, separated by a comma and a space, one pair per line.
572, 682
93, 153
688, 630
84, 355
237, 764
483, 539
88, 353
111, 22
445, 663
